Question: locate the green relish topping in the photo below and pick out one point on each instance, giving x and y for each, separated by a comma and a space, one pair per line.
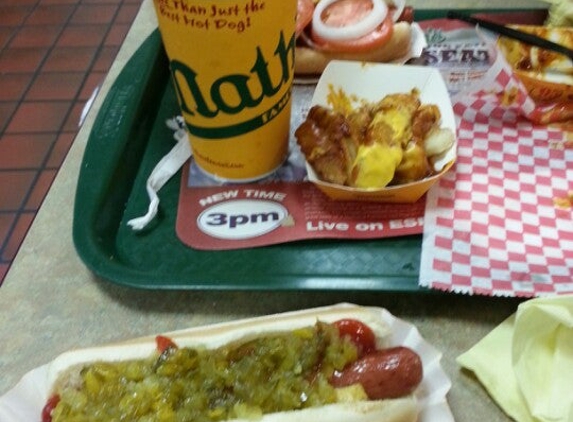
278, 372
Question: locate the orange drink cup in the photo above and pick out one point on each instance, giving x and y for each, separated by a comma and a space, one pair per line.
232, 64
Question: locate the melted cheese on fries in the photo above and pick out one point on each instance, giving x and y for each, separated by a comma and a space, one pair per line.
525, 57
375, 144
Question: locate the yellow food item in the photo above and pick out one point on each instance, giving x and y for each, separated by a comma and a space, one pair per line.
397, 112
352, 393
547, 75
278, 372
375, 164
414, 165
375, 144
531, 58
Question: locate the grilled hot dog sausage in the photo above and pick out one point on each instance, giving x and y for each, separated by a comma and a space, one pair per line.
385, 373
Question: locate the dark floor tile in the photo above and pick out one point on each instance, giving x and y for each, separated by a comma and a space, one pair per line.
14, 60
13, 85
117, 34
36, 36
58, 14
69, 59
40, 190
6, 34
73, 121
25, 151
19, 2
7, 219
127, 13
94, 14
47, 73
60, 150
35, 117
51, 2
82, 36
7, 109
18, 234
102, 1
14, 15
93, 81
56, 86
3, 271
14, 188
105, 58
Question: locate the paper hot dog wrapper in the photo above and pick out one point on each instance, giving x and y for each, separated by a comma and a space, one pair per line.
25, 401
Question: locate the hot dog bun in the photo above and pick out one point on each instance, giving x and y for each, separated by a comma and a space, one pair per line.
65, 369
309, 61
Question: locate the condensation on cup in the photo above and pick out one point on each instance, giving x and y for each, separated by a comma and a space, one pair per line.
232, 65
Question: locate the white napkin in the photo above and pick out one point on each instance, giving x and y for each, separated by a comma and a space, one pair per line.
163, 171
526, 363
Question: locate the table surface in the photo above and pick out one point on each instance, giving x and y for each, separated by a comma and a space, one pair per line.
50, 302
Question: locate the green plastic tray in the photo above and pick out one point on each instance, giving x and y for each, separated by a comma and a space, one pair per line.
128, 138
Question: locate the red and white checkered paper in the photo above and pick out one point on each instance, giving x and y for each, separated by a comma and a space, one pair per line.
492, 226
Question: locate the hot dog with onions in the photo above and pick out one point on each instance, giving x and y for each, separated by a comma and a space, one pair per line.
294, 368
363, 30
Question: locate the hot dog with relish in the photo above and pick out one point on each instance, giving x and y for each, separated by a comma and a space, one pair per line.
330, 367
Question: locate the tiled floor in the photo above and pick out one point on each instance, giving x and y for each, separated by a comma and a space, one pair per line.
53, 55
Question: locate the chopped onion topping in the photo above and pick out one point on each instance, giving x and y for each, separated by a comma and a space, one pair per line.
534, 57
355, 30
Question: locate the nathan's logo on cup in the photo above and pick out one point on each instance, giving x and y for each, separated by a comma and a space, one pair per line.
232, 66
233, 93
241, 219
